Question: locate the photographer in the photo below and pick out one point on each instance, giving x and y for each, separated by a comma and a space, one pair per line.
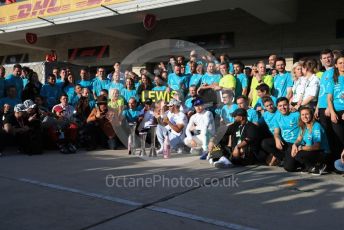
244, 142
99, 127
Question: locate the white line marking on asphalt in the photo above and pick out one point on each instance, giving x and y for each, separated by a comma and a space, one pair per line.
78, 191
172, 212
200, 218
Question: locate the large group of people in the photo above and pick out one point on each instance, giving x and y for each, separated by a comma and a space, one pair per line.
227, 113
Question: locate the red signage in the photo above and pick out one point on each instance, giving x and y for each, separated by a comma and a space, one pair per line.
88, 52
149, 21
31, 38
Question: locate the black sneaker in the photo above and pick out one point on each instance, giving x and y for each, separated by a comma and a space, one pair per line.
72, 148
318, 170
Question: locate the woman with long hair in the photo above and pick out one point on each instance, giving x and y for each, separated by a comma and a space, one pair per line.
129, 90
335, 101
311, 147
68, 86
146, 84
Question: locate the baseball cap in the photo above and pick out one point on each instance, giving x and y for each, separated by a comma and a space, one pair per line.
58, 109
197, 102
174, 102
19, 108
29, 104
239, 112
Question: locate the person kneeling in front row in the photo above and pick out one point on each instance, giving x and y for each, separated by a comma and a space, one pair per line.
244, 142
200, 127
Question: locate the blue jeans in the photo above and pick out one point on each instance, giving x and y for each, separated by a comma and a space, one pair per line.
338, 164
175, 140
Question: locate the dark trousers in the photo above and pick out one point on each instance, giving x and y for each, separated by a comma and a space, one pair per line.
247, 158
310, 158
4, 139
289, 163
332, 139
94, 135
338, 130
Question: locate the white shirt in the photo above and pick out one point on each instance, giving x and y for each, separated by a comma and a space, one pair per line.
298, 89
177, 118
312, 86
204, 122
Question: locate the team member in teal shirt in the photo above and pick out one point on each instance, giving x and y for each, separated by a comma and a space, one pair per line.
283, 81
15, 80
188, 102
2, 81
177, 81
267, 127
322, 112
25, 75
116, 82
241, 79
252, 114
132, 113
335, 101
225, 112
195, 78
210, 77
51, 91
129, 91
11, 98
268, 115
100, 82
84, 80
286, 131
263, 90
159, 84
311, 145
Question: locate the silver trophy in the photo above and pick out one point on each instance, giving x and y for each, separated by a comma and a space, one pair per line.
131, 139
143, 136
152, 151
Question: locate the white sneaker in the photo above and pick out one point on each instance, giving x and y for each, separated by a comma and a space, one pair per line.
211, 161
180, 150
222, 163
160, 151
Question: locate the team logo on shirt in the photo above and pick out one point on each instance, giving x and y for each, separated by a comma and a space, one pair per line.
309, 137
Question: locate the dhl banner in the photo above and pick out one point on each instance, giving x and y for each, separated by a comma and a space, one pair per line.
31, 9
